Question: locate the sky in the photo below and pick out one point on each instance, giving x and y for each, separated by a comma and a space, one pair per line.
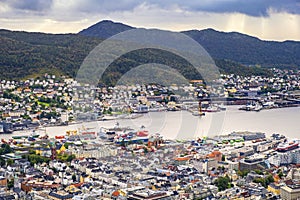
266, 19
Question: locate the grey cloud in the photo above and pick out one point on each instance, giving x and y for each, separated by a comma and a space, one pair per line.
30, 5
248, 7
106, 7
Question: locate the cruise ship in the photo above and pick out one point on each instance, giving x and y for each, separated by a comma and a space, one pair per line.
132, 137
283, 147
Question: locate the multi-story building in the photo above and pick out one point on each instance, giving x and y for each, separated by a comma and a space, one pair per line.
290, 192
286, 158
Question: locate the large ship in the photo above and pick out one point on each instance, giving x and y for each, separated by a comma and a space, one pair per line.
132, 137
283, 147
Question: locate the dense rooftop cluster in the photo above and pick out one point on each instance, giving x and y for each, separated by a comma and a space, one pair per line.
240, 165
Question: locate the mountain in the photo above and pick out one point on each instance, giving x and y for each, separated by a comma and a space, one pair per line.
231, 46
246, 49
25, 54
105, 29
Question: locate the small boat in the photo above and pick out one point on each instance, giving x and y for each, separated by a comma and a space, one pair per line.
222, 107
35, 136
109, 117
211, 109
142, 109
16, 137
197, 113
31, 138
254, 106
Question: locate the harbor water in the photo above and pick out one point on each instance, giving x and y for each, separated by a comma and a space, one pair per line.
182, 124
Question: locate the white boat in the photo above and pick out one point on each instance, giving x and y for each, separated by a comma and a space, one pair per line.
252, 107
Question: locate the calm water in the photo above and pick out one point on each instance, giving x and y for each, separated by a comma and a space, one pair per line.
184, 125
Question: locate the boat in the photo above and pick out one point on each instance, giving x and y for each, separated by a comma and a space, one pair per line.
142, 109
31, 139
17, 137
221, 107
198, 113
109, 117
34, 135
283, 147
211, 109
141, 136
269, 104
254, 106
157, 109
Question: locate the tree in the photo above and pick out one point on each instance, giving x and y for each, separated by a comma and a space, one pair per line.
5, 148
122, 143
264, 181
2, 162
71, 157
66, 145
269, 179
223, 183
243, 173
74, 178
145, 150
280, 174
10, 183
257, 171
223, 158
10, 162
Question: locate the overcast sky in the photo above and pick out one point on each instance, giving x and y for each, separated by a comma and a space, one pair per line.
266, 19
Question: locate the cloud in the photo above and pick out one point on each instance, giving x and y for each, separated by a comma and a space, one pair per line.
105, 6
248, 7
29, 5
266, 19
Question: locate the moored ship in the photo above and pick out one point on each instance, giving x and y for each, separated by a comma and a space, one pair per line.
283, 147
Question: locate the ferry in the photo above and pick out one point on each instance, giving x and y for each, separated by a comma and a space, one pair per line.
283, 147
133, 138
110, 133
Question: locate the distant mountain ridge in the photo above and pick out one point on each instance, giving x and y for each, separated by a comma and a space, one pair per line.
232, 46
25, 54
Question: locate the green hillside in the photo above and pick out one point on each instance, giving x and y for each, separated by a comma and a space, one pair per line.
24, 55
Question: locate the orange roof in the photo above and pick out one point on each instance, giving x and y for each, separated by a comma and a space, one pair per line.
214, 154
116, 193
182, 158
77, 184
